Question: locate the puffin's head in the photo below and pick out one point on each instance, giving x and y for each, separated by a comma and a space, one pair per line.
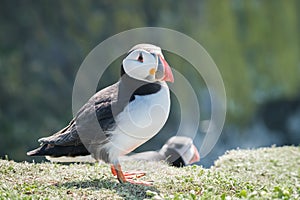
146, 62
180, 151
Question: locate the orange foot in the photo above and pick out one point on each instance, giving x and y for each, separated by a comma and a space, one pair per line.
129, 176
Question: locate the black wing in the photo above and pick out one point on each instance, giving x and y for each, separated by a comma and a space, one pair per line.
68, 141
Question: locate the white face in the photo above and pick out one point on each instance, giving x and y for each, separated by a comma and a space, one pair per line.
143, 65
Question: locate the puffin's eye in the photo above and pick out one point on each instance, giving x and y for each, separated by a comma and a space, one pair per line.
140, 58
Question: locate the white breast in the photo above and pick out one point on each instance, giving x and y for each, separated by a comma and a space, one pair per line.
140, 121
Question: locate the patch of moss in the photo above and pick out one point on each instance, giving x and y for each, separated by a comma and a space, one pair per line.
265, 173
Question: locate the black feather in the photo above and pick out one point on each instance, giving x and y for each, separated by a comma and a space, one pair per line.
107, 103
57, 151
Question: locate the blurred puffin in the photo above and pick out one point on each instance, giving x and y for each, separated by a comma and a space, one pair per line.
120, 117
178, 151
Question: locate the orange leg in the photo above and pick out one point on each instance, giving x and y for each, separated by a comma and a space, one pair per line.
113, 170
128, 177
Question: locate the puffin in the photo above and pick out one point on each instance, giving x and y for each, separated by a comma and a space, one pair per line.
119, 118
178, 151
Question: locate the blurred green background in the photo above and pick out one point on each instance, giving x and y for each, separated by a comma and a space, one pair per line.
255, 44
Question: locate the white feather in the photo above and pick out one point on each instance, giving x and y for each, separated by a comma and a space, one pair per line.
63, 159
141, 120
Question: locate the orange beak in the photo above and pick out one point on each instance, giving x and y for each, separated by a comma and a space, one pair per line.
168, 76
196, 156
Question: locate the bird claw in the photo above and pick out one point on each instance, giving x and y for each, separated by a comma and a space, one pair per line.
134, 174
140, 182
129, 176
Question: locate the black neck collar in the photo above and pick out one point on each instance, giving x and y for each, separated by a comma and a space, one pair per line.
133, 87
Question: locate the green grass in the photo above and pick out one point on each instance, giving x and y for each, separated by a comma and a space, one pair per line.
266, 173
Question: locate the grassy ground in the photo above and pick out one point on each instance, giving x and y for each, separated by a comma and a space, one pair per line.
266, 173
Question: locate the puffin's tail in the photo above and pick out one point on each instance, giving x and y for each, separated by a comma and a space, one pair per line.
41, 151
58, 151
